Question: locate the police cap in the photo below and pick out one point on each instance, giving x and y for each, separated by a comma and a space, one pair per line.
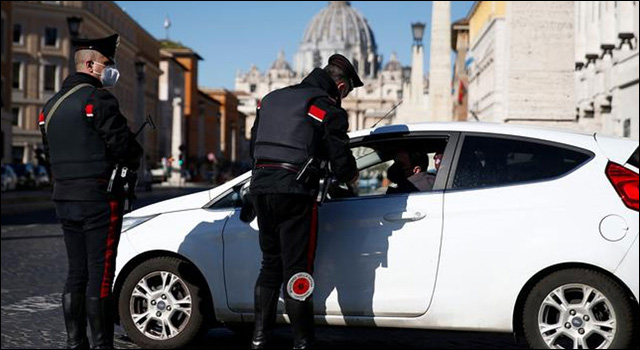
106, 46
343, 63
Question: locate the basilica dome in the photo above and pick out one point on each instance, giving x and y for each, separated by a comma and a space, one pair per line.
338, 28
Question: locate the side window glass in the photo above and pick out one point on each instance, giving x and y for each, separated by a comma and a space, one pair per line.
232, 199
372, 171
398, 166
373, 180
488, 161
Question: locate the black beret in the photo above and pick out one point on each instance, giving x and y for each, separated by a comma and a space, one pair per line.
343, 63
106, 46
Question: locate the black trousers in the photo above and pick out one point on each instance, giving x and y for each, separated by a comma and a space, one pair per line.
91, 235
288, 234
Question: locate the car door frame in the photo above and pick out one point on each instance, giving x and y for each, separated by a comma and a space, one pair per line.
451, 150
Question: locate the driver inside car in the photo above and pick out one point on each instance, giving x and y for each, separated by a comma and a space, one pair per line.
409, 172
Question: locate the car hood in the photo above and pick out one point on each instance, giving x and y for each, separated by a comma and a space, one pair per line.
188, 202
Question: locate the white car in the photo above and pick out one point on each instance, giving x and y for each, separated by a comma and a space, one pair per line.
526, 230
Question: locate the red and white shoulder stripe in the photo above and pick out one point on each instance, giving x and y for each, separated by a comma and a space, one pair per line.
88, 110
317, 113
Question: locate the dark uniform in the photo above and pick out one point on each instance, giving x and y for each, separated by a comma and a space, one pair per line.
291, 125
84, 138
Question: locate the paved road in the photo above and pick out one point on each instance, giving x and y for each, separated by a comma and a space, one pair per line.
34, 268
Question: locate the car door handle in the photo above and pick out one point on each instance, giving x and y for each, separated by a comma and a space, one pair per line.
405, 216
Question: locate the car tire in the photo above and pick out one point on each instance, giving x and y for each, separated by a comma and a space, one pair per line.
170, 282
579, 305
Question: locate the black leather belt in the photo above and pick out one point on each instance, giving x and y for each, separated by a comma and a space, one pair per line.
276, 165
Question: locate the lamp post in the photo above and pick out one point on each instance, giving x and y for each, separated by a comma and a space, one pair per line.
406, 74
418, 32
144, 181
417, 58
73, 23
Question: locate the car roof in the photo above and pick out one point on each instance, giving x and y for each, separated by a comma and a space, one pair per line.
550, 134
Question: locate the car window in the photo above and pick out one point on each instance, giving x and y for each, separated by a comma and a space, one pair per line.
373, 179
491, 161
232, 198
374, 160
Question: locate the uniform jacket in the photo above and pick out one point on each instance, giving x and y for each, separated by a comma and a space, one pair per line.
85, 137
329, 123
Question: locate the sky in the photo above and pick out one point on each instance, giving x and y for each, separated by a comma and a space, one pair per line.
232, 35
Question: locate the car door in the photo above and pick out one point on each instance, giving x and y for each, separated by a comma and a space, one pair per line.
376, 255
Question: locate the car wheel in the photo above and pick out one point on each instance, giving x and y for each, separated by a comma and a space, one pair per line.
578, 309
160, 304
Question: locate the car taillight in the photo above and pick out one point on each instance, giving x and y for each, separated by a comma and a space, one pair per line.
625, 182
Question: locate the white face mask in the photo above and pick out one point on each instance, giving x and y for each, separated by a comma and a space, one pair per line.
109, 75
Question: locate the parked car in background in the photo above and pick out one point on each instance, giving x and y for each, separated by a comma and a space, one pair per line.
26, 176
41, 177
526, 230
9, 178
158, 175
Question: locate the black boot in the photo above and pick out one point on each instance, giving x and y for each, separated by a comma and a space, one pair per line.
100, 314
266, 304
75, 319
301, 316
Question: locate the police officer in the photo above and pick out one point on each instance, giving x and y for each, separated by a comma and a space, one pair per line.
85, 136
292, 125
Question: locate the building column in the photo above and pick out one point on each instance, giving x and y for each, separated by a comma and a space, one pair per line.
417, 75
440, 105
176, 141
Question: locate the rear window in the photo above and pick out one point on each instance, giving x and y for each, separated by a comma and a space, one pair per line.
491, 161
635, 159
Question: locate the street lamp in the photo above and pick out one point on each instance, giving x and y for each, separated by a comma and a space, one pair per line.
74, 26
406, 73
74, 32
418, 31
144, 180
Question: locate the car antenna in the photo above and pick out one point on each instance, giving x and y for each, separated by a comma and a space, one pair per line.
391, 110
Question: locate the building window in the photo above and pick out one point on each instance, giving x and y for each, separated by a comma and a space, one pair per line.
18, 36
626, 129
49, 78
252, 88
17, 75
15, 115
51, 36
